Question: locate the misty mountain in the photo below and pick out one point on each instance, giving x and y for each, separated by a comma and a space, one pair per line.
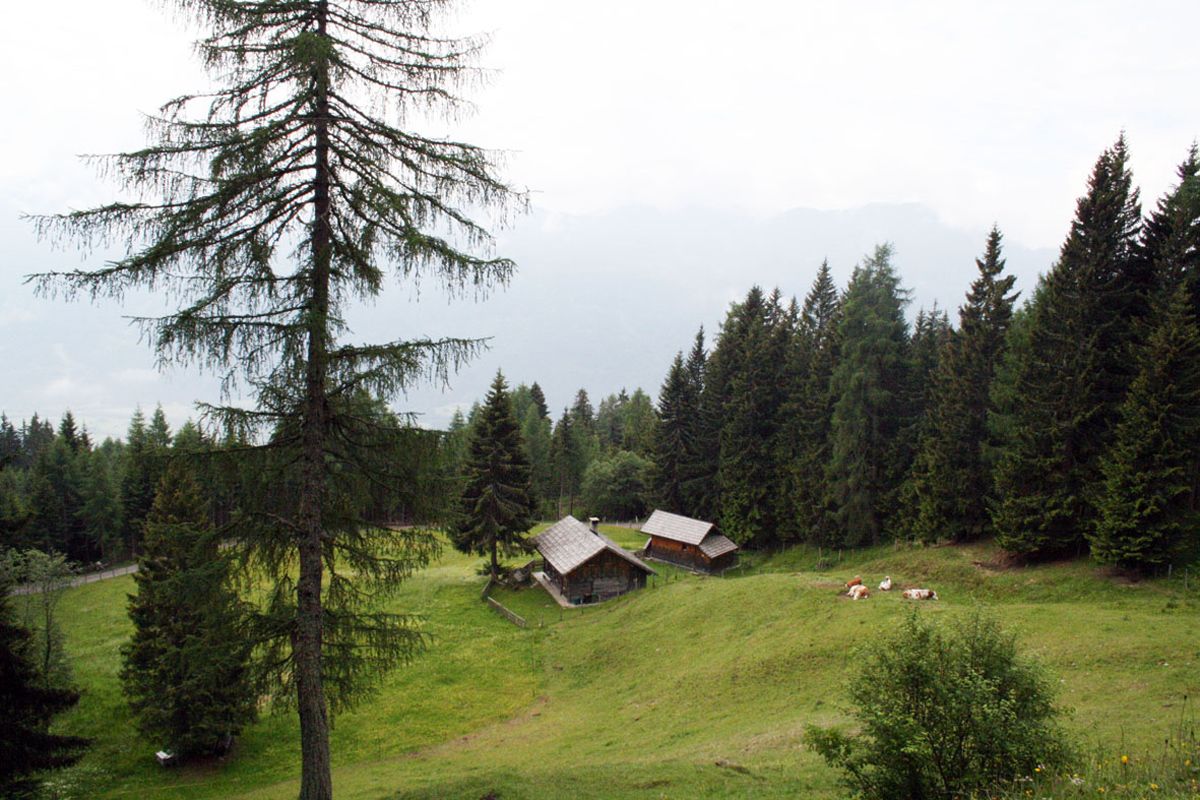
600, 301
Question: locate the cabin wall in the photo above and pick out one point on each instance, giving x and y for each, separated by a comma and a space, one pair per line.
604, 576
688, 555
685, 555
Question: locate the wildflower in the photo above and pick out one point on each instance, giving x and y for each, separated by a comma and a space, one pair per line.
1154, 787
1124, 760
1076, 780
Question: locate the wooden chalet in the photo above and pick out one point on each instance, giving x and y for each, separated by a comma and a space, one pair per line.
688, 542
585, 566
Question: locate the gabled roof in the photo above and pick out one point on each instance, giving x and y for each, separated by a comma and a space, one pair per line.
716, 545
569, 543
677, 527
695, 532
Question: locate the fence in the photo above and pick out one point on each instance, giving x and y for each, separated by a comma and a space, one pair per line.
514, 618
80, 580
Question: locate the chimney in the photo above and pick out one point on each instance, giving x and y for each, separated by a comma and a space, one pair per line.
595, 522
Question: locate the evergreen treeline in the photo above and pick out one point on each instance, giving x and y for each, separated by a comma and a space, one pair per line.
1062, 425
592, 459
61, 492
1065, 424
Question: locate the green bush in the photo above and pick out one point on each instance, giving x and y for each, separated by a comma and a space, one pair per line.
945, 711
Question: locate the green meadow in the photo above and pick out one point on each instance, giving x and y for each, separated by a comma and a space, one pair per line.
694, 687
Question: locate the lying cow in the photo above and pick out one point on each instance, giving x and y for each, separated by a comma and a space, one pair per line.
886, 584
855, 581
859, 592
920, 594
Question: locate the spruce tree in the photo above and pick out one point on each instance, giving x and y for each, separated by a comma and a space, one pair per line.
539, 399
567, 460
639, 423
536, 434
26, 745
700, 462
186, 669
869, 387
1148, 506
755, 345
497, 505
811, 409
138, 481
673, 440
1170, 243
610, 421
100, 506
951, 482
266, 207
1081, 343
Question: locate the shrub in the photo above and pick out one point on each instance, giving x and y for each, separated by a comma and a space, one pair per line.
945, 712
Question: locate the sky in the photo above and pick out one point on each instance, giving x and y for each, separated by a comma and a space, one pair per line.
666, 123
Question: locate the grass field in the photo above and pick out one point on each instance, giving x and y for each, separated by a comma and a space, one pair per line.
694, 687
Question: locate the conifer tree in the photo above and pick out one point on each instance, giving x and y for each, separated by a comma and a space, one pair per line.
1071, 384
100, 505
568, 461
186, 669
951, 481
673, 440
536, 434
268, 205
26, 745
638, 424
811, 409
751, 347
869, 385
1148, 506
539, 399
610, 421
497, 505
1170, 243
138, 480
69, 432
10, 444
700, 464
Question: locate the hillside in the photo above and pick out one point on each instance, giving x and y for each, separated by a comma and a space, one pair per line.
694, 687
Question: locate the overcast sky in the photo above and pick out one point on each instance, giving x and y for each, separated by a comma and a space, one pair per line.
979, 112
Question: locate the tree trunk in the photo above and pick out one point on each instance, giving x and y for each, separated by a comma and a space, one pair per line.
316, 781
495, 563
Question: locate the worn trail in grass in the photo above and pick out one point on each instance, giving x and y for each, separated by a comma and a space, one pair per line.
696, 687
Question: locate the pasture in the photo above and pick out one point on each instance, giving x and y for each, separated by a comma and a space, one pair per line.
694, 687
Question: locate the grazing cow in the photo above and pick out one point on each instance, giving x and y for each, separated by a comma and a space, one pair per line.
886, 584
859, 592
920, 594
855, 581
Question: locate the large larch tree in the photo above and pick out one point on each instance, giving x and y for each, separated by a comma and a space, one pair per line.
265, 207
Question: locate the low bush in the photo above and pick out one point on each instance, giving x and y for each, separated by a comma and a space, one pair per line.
945, 711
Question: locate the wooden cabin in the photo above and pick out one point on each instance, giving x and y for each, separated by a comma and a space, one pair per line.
585, 566
688, 542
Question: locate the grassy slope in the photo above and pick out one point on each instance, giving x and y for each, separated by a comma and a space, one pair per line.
695, 687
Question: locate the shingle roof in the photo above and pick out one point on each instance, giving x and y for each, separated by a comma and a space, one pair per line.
716, 545
695, 532
569, 543
676, 527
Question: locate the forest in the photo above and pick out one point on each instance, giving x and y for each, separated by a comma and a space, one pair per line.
289, 547
1059, 419
1060, 423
